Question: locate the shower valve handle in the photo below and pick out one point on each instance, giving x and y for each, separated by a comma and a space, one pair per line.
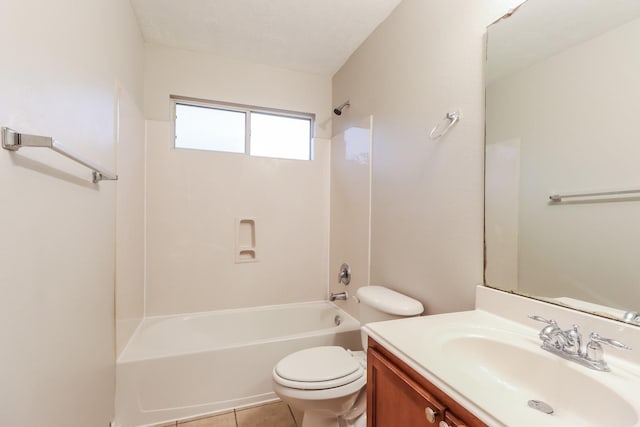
344, 276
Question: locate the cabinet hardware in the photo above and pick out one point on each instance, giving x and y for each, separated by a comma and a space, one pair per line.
431, 414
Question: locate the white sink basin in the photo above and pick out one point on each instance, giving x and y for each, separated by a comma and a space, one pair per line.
520, 375
495, 367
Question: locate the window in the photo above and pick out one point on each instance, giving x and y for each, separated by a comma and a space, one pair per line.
242, 129
207, 128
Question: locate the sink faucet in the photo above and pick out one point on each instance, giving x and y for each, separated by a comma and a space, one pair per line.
632, 317
568, 344
338, 296
551, 335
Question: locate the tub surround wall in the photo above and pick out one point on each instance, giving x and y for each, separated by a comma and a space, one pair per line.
351, 207
130, 222
502, 191
427, 231
194, 198
60, 64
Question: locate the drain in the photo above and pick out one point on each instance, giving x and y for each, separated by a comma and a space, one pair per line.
540, 406
337, 320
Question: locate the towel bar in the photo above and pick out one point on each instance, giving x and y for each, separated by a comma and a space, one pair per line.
13, 141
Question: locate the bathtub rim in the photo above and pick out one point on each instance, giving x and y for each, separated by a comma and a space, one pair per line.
121, 359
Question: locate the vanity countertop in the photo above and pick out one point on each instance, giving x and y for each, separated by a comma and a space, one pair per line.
493, 366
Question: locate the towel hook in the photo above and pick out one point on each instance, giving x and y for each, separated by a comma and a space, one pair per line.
453, 117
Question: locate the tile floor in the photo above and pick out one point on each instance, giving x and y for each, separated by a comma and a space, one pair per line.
273, 414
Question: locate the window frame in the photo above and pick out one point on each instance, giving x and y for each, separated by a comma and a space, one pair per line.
239, 108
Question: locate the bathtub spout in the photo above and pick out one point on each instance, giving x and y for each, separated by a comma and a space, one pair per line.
342, 296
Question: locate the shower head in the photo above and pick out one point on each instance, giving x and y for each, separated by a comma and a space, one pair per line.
338, 110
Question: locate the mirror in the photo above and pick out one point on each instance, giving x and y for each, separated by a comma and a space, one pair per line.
563, 120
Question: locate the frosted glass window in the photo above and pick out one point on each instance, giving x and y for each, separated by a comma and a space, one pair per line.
236, 128
206, 128
280, 136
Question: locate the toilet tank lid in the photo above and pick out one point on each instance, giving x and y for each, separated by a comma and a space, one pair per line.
389, 301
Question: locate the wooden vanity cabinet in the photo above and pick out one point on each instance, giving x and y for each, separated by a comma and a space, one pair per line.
397, 396
451, 420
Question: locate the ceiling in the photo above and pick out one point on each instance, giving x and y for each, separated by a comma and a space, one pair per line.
316, 36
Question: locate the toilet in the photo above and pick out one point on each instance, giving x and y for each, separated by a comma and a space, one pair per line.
328, 383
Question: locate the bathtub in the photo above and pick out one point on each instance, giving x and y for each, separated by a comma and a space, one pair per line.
182, 366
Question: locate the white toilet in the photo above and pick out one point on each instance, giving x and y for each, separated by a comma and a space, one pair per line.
328, 383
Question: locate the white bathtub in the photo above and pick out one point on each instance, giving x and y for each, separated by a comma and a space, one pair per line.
182, 366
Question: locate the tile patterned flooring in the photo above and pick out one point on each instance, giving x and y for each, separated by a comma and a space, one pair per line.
273, 414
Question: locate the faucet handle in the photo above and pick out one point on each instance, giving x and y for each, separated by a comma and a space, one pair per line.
542, 319
594, 351
631, 317
595, 337
344, 276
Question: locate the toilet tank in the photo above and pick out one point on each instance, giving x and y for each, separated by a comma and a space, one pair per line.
378, 303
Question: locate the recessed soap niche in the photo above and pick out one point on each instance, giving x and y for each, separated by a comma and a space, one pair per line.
246, 240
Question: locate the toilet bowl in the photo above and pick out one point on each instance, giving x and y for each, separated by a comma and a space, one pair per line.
328, 384
327, 392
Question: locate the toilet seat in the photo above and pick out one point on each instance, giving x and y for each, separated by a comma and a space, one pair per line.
318, 368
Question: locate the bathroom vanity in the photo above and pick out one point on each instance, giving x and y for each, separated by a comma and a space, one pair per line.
486, 367
398, 395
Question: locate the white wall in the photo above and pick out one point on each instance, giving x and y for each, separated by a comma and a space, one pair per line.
424, 60
194, 197
58, 72
575, 114
201, 75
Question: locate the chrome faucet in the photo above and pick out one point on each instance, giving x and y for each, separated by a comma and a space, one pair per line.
631, 317
344, 276
551, 335
342, 296
568, 344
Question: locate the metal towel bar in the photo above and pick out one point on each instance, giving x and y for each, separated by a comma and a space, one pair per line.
558, 197
13, 141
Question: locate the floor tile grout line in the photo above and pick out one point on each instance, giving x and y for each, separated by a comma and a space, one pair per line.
235, 411
292, 416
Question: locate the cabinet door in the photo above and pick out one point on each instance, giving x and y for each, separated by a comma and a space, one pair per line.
394, 399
